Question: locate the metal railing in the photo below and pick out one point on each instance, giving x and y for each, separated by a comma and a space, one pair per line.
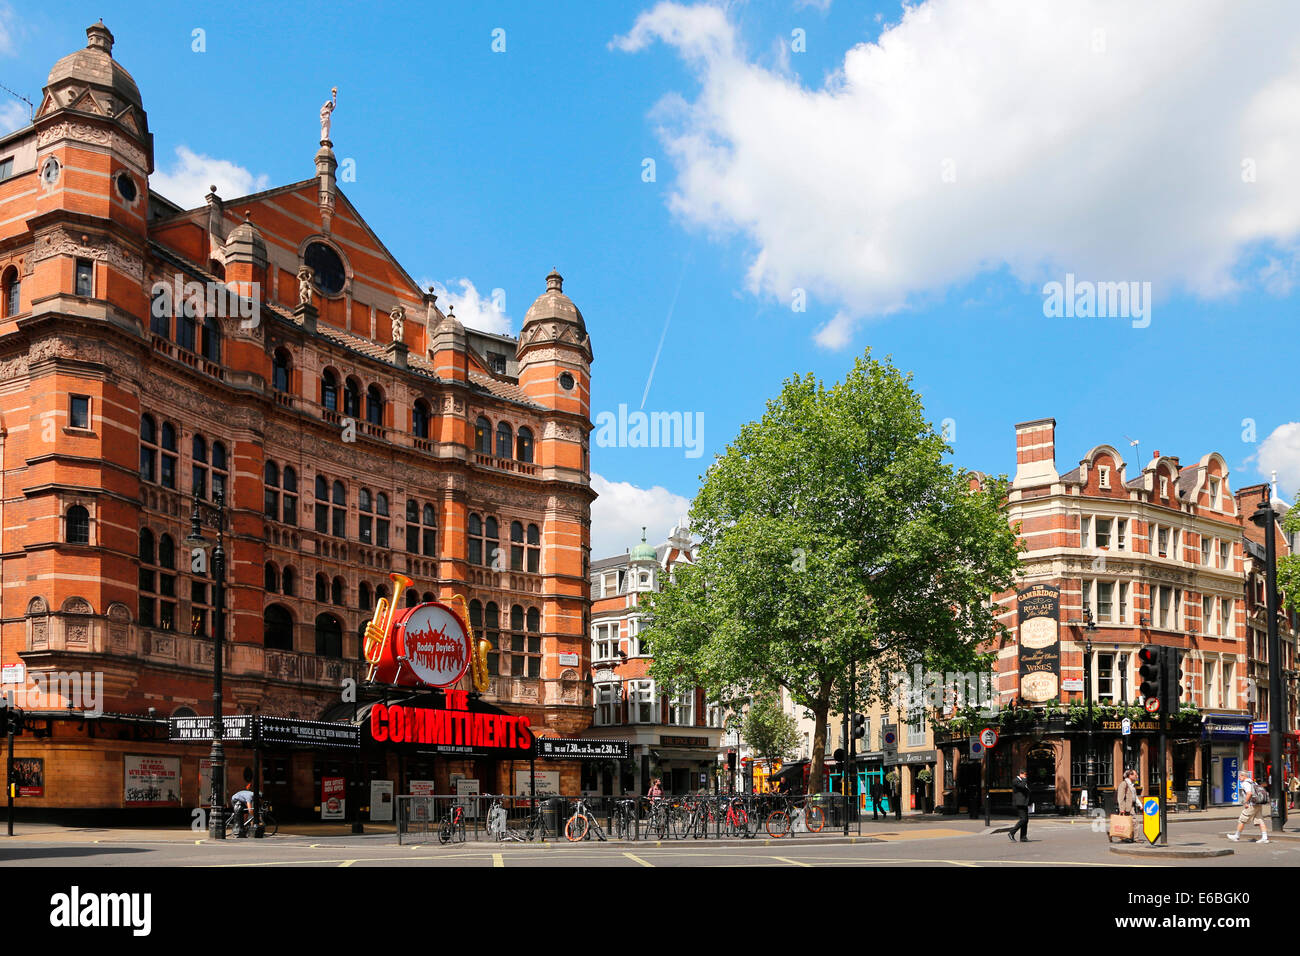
448, 818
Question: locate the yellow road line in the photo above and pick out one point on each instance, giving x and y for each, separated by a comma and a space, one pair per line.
786, 859
347, 862
636, 859
497, 860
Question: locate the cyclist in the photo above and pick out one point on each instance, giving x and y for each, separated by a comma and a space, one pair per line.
242, 802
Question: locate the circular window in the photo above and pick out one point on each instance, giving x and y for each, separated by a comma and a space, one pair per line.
566, 381
126, 186
50, 171
327, 268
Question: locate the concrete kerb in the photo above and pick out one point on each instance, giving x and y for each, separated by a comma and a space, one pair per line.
1170, 852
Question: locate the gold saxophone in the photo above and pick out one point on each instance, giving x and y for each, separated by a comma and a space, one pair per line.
382, 622
478, 663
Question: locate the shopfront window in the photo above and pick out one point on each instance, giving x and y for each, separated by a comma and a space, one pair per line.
1104, 758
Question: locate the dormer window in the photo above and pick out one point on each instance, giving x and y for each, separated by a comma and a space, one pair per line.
1214, 493
1103, 477
1164, 487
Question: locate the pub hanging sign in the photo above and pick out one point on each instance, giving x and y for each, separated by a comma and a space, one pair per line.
1039, 617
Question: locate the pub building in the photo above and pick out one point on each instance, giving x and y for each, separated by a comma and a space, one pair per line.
1112, 561
266, 362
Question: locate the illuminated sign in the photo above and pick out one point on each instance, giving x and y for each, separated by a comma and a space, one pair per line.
463, 726
428, 645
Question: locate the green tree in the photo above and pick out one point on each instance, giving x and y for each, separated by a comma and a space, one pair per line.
834, 533
1288, 567
770, 732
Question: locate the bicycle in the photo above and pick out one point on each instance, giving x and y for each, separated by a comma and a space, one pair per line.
235, 822
796, 817
499, 827
658, 823
582, 824
736, 820
452, 826
624, 815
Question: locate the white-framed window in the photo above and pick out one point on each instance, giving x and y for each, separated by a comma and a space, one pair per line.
1176, 552
1107, 679
1121, 534
916, 728
1085, 532
1211, 690
641, 702
1164, 487
1166, 606
634, 648
1225, 616
1178, 609
607, 701
1105, 601
1103, 476
1205, 550
1103, 532
1214, 493
681, 709
1208, 620
1086, 592
1123, 602
714, 715
1162, 541
604, 641
1229, 697
610, 585
1225, 555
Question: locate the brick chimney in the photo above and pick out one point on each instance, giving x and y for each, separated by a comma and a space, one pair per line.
1036, 453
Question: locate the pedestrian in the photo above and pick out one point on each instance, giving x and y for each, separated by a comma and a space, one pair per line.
877, 800
1126, 799
1254, 799
656, 790
1020, 800
1294, 786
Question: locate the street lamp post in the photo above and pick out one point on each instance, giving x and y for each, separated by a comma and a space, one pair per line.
1266, 517
217, 757
1090, 771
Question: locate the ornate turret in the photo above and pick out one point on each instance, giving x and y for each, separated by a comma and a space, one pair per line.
554, 351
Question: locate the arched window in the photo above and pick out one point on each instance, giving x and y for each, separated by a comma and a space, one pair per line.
429, 533
280, 367
322, 588
287, 582
78, 526
365, 520
212, 340
329, 390
340, 526
505, 439
420, 419
524, 445
516, 546
322, 504
412, 598
363, 596
220, 469
277, 628
271, 491
483, 435
534, 549
534, 620
12, 292
336, 592
491, 547
427, 596
492, 633
290, 495
329, 636
352, 398
199, 468
271, 578
157, 582
475, 539
148, 449
374, 405
381, 522
167, 475
516, 618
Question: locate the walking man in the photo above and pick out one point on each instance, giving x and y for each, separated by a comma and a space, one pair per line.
1020, 800
877, 798
1127, 802
1254, 797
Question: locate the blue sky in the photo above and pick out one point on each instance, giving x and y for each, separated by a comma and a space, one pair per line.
919, 192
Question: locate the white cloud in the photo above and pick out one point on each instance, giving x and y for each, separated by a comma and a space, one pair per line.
473, 310
1280, 452
8, 23
13, 116
622, 508
187, 181
1075, 138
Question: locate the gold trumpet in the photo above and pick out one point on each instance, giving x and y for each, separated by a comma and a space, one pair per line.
379, 626
479, 668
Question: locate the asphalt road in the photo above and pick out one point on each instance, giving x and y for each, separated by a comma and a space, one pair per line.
1053, 844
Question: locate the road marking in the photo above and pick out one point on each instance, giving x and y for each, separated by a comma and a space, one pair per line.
636, 859
347, 862
497, 860
786, 859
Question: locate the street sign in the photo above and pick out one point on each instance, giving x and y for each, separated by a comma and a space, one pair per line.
1151, 819
1126, 727
976, 748
889, 737
1153, 704
989, 737
1259, 727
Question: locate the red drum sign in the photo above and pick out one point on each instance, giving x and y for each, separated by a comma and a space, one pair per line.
435, 644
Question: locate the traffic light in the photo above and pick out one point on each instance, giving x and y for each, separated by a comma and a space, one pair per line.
1150, 671
14, 720
1172, 671
859, 726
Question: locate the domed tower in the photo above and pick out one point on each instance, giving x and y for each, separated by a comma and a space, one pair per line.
554, 352
642, 563
94, 154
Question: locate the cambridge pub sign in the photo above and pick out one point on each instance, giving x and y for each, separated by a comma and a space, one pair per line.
1040, 642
